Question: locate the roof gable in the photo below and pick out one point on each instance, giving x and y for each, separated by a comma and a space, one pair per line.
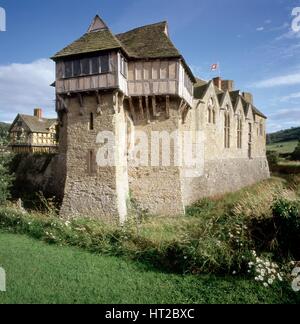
97, 24
36, 125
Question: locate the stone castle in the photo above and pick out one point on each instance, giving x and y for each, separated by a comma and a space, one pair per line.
138, 82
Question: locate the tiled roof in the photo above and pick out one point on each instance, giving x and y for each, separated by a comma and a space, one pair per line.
37, 125
91, 42
149, 41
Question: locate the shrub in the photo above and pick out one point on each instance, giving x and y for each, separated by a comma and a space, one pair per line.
273, 158
287, 223
5, 179
296, 154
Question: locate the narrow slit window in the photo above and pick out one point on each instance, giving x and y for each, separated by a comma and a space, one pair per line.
91, 162
91, 124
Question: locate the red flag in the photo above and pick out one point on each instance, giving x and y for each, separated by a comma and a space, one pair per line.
214, 67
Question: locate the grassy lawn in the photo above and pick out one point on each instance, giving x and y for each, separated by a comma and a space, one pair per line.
41, 273
283, 147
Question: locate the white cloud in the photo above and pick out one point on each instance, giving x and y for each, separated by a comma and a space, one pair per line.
283, 119
291, 34
259, 29
288, 79
290, 97
26, 86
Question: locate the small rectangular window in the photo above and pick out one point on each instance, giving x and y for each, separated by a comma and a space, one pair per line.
91, 124
95, 65
68, 69
85, 66
104, 62
76, 68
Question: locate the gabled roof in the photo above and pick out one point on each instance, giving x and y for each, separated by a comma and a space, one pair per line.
235, 96
149, 41
91, 42
35, 124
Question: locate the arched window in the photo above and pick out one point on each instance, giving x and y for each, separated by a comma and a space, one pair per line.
227, 128
239, 131
261, 128
211, 111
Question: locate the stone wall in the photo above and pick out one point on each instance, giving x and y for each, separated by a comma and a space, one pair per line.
156, 189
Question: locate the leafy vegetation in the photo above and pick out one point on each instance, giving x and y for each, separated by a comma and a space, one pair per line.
296, 154
292, 134
217, 237
6, 179
4, 133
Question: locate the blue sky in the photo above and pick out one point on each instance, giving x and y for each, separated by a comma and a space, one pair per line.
252, 40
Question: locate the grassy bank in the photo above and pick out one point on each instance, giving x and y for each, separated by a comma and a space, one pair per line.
249, 237
287, 147
41, 273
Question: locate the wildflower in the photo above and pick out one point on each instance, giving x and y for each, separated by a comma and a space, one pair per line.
279, 277
261, 278
266, 285
270, 281
234, 272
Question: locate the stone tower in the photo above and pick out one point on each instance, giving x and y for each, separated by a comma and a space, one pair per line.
107, 84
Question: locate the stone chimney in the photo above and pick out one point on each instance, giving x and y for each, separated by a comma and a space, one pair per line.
227, 85
218, 82
38, 112
248, 97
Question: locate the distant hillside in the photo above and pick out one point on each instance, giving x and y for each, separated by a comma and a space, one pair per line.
4, 133
292, 134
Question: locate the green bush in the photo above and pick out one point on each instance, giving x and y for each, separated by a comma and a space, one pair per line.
273, 158
5, 179
287, 224
296, 154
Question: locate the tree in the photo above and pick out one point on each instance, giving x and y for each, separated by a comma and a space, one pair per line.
6, 178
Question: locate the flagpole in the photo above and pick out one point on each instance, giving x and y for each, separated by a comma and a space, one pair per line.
219, 69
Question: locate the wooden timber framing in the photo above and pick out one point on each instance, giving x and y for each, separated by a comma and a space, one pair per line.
168, 106
98, 99
142, 116
81, 103
132, 111
147, 110
63, 104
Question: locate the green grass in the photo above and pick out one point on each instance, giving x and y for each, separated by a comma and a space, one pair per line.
41, 273
283, 147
